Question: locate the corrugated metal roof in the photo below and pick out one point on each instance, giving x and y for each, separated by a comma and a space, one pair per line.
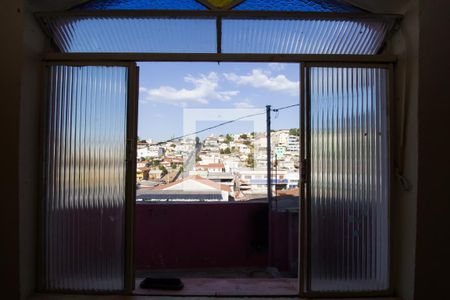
157, 195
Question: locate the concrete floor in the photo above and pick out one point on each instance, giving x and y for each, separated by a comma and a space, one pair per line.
136, 297
228, 287
223, 282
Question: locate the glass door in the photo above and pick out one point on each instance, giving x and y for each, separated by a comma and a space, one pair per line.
88, 158
346, 216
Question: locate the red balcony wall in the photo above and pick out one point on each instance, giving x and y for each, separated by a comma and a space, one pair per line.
199, 235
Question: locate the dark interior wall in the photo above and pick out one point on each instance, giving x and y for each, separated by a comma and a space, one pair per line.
433, 212
427, 131
10, 79
404, 44
21, 50
29, 145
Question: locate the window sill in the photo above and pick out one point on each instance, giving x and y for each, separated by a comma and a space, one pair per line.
136, 297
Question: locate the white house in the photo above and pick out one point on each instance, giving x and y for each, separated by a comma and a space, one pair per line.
197, 184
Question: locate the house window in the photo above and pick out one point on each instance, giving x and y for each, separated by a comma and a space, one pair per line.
90, 147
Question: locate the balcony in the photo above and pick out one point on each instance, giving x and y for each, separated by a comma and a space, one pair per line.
218, 248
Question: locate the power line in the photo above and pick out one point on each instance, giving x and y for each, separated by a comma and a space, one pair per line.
225, 123
285, 107
212, 127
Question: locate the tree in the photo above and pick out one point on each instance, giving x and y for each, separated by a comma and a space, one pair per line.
248, 143
227, 151
228, 138
198, 158
294, 131
243, 136
250, 161
163, 171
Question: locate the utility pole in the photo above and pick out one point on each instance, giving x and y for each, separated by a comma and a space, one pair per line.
269, 185
276, 182
269, 154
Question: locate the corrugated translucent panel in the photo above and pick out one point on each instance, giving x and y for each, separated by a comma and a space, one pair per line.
141, 4
306, 36
84, 178
298, 5
122, 34
349, 184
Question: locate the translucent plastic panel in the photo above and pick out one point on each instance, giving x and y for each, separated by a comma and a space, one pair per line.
349, 181
122, 34
298, 5
307, 36
84, 178
141, 4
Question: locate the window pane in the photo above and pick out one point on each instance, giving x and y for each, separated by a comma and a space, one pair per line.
134, 34
298, 5
349, 181
84, 178
284, 5
303, 36
141, 4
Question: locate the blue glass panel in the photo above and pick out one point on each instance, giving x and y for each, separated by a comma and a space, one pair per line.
141, 5
298, 5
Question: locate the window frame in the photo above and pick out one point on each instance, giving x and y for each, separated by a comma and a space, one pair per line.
130, 59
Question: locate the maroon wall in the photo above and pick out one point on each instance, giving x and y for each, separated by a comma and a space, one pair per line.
284, 241
199, 235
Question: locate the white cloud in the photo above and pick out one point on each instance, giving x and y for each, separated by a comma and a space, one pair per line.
277, 66
205, 89
243, 104
260, 79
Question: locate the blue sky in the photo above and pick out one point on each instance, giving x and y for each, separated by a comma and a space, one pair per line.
168, 90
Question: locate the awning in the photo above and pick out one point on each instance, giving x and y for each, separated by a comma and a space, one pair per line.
246, 32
